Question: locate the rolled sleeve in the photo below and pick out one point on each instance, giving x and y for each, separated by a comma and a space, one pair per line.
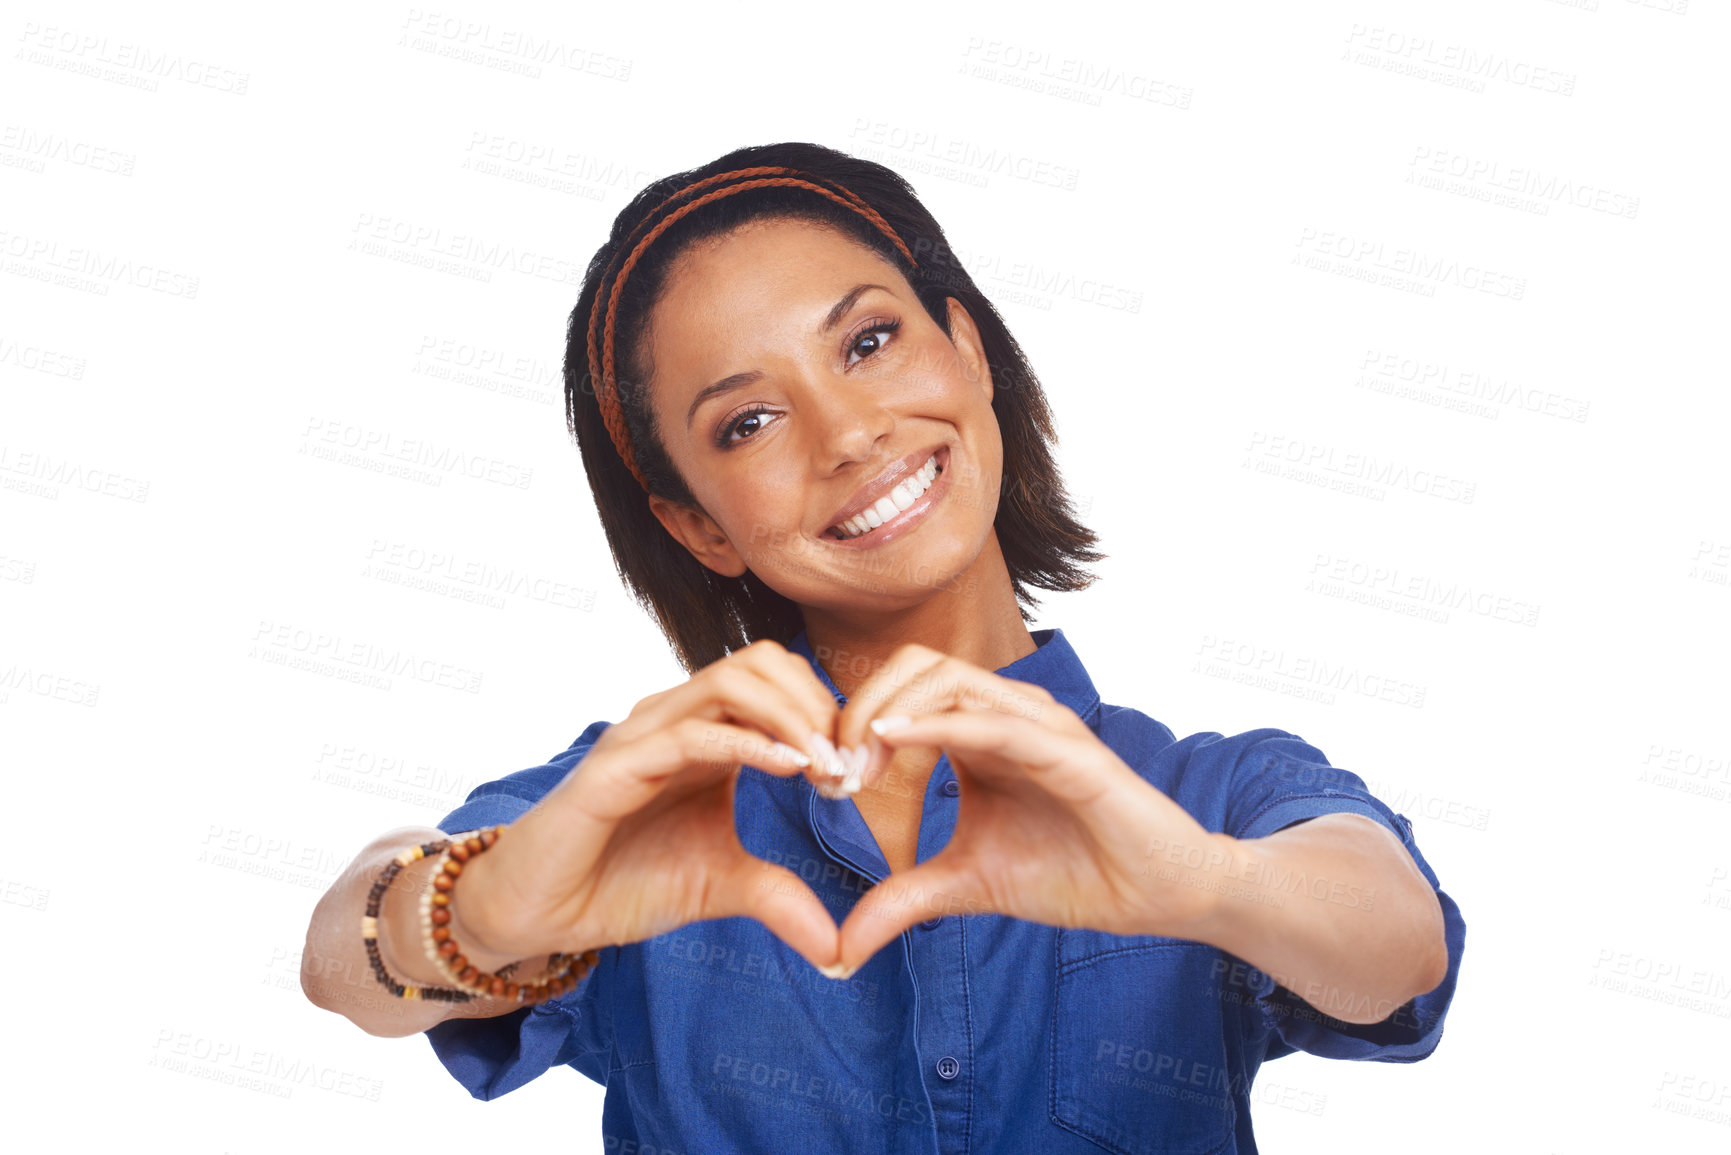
487, 810
1281, 779
494, 1056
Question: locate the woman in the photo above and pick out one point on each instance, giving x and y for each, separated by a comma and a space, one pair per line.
822, 461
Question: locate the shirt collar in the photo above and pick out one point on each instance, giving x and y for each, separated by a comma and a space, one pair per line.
1053, 665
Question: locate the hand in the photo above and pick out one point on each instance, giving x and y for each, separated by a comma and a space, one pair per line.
1054, 827
639, 839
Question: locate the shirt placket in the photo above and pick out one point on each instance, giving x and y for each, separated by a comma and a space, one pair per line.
937, 957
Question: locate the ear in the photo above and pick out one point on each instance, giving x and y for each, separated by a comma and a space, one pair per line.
966, 337
697, 532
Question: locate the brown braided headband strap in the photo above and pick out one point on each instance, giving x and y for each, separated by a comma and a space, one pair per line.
601, 351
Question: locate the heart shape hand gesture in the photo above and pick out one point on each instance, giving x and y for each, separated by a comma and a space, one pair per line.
1053, 826
639, 839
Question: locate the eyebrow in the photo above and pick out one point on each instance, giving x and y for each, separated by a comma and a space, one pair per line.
727, 384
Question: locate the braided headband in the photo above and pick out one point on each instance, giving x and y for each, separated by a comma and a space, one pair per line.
601, 370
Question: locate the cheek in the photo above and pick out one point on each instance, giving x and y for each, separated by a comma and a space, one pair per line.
760, 514
938, 370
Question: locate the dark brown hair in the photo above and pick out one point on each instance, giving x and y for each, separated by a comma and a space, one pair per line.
705, 615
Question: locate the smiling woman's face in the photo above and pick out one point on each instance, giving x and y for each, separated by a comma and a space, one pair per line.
787, 396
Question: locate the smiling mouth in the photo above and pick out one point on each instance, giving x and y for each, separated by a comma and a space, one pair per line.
898, 509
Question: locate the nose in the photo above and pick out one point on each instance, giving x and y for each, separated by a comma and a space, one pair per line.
848, 421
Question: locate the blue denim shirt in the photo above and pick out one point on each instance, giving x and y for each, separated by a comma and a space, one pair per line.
975, 1033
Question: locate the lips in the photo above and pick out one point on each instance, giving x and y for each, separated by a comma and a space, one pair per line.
880, 488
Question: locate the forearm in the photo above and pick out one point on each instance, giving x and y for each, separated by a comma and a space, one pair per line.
1334, 909
336, 973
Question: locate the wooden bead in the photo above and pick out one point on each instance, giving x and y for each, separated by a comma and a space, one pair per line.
496, 988
467, 975
443, 881
448, 948
440, 915
441, 933
475, 845
452, 867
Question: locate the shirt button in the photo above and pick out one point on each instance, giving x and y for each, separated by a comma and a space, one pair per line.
951, 787
931, 923
948, 1068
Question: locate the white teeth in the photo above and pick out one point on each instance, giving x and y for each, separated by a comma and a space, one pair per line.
898, 499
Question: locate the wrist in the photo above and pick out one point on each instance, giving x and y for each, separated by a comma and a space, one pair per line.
399, 930
1203, 897
470, 924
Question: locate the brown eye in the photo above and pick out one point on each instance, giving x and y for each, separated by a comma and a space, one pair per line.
749, 421
874, 339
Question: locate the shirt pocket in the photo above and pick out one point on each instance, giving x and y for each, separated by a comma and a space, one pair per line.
1138, 1058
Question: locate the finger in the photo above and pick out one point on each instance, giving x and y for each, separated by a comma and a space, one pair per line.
793, 673
692, 752
992, 745
934, 888
745, 694
775, 897
919, 680
899, 685
755, 686
749, 747
811, 749
831, 773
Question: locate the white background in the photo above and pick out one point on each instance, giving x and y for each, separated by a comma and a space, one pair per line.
1535, 676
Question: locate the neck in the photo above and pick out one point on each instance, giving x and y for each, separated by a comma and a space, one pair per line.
974, 617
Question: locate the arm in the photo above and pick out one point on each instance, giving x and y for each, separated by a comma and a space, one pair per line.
1333, 909
637, 842
335, 971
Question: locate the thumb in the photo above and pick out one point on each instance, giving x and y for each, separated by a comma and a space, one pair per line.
935, 887
783, 903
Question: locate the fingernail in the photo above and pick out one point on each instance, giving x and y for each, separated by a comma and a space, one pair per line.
829, 763
846, 784
856, 760
833, 763
792, 755
836, 971
882, 726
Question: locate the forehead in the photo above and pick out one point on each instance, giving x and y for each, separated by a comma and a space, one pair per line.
774, 271
733, 302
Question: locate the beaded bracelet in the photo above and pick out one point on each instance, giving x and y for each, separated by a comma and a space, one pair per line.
565, 970
370, 932
441, 894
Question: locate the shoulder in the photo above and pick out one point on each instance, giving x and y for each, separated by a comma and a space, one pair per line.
1142, 740
507, 798
1226, 781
